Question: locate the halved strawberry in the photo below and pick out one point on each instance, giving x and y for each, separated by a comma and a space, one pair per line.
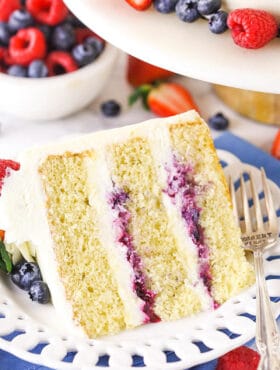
275, 150
165, 99
139, 4
139, 72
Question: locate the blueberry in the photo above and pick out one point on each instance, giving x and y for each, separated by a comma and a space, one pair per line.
111, 108
218, 22
47, 31
4, 34
20, 19
63, 37
206, 7
37, 69
39, 292
187, 11
84, 54
17, 71
96, 43
218, 121
165, 6
25, 273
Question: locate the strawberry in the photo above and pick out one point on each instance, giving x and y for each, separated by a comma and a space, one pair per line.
275, 150
2, 235
139, 4
165, 99
139, 72
6, 166
241, 358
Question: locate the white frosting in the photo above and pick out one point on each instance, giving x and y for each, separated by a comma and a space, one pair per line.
23, 213
271, 6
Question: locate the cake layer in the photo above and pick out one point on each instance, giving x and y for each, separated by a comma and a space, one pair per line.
130, 226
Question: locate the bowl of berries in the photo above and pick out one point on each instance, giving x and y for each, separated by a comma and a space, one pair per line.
51, 65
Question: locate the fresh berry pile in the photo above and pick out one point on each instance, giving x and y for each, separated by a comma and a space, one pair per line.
250, 28
41, 38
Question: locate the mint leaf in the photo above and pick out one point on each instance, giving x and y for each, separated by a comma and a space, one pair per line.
5, 259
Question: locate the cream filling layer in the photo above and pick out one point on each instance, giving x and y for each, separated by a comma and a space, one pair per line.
100, 185
161, 149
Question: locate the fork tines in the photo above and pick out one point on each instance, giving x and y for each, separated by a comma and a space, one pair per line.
256, 222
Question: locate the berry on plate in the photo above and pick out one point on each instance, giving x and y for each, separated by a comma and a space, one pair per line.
28, 44
165, 99
139, 4
139, 72
39, 292
187, 10
60, 62
241, 358
51, 12
218, 122
206, 7
24, 274
110, 108
218, 22
275, 150
251, 28
165, 6
7, 7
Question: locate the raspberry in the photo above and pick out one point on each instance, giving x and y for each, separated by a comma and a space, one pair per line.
242, 358
60, 62
5, 166
27, 45
49, 12
7, 7
252, 28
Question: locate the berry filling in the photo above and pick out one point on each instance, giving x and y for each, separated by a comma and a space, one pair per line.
118, 199
183, 191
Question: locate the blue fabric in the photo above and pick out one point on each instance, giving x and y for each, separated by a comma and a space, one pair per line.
248, 154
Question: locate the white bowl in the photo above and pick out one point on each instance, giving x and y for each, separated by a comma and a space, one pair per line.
59, 96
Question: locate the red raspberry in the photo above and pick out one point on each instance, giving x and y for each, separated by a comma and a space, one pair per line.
83, 33
241, 358
252, 28
50, 12
7, 7
28, 44
60, 62
5, 166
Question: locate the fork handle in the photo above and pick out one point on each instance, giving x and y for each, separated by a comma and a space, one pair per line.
267, 334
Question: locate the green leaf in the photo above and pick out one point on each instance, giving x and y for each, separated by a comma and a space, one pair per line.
142, 93
5, 258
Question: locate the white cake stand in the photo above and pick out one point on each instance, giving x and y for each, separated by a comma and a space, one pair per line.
187, 49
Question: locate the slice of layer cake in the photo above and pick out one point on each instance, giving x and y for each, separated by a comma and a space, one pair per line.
130, 226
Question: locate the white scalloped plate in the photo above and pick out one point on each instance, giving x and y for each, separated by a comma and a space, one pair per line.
187, 49
25, 325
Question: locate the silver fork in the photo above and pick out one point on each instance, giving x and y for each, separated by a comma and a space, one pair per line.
256, 237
